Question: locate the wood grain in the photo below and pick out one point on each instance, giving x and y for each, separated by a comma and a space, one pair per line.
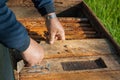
56, 71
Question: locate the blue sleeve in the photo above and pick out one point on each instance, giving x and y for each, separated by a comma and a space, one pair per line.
44, 6
12, 33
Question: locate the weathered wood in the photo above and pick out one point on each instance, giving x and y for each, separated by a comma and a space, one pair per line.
28, 3
55, 70
75, 48
16, 74
61, 19
69, 50
22, 6
75, 28
71, 28
102, 75
66, 25
67, 37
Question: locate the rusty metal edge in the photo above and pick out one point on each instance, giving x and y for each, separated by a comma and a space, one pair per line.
100, 27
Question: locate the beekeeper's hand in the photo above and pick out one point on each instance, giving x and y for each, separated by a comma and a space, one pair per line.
55, 29
34, 54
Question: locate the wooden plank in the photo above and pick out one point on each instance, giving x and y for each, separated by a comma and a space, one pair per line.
104, 75
31, 12
28, 3
67, 30
68, 37
75, 28
25, 12
65, 25
16, 75
61, 19
75, 48
22, 6
55, 70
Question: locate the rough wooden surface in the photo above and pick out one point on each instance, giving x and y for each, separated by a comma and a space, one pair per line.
29, 3
75, 48
75, 28
55, 70
70, 50
102, 75
16, 75
24, 8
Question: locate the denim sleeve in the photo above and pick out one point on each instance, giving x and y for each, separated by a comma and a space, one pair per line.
12, 33
44, 6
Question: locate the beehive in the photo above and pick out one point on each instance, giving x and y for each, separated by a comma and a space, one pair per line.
88, 53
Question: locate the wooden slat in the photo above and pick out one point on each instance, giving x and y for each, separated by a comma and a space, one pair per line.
75, 48
29, 3
75, 28
16, 74
55, 70
20, 7
68, 37
65, 25
104, 75
61, 19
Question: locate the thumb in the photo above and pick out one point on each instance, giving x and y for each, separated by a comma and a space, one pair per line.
52, 37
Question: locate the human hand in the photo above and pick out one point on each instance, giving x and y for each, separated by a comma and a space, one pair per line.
55, 29
34, 54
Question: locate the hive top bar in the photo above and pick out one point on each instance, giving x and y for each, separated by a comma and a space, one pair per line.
29, 2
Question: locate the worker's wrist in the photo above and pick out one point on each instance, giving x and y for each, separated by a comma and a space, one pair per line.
50, 16
51, 19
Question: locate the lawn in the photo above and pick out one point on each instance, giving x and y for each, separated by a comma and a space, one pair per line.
108, 11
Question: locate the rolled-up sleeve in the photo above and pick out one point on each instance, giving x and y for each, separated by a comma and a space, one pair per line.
44, 6
12, 33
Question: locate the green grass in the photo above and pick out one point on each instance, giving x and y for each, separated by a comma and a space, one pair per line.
108, 11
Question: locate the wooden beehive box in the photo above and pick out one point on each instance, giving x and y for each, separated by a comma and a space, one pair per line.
88, 53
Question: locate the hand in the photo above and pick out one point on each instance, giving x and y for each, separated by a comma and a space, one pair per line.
34, 54
55, 29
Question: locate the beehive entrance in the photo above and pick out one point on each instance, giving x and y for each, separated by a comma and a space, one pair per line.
83, 65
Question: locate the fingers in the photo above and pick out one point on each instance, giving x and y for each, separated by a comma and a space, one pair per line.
56, 36
63, 36
55, 30
52, 37
60, 36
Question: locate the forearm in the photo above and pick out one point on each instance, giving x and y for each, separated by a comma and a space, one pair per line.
12, 33
44, 6
55, 29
